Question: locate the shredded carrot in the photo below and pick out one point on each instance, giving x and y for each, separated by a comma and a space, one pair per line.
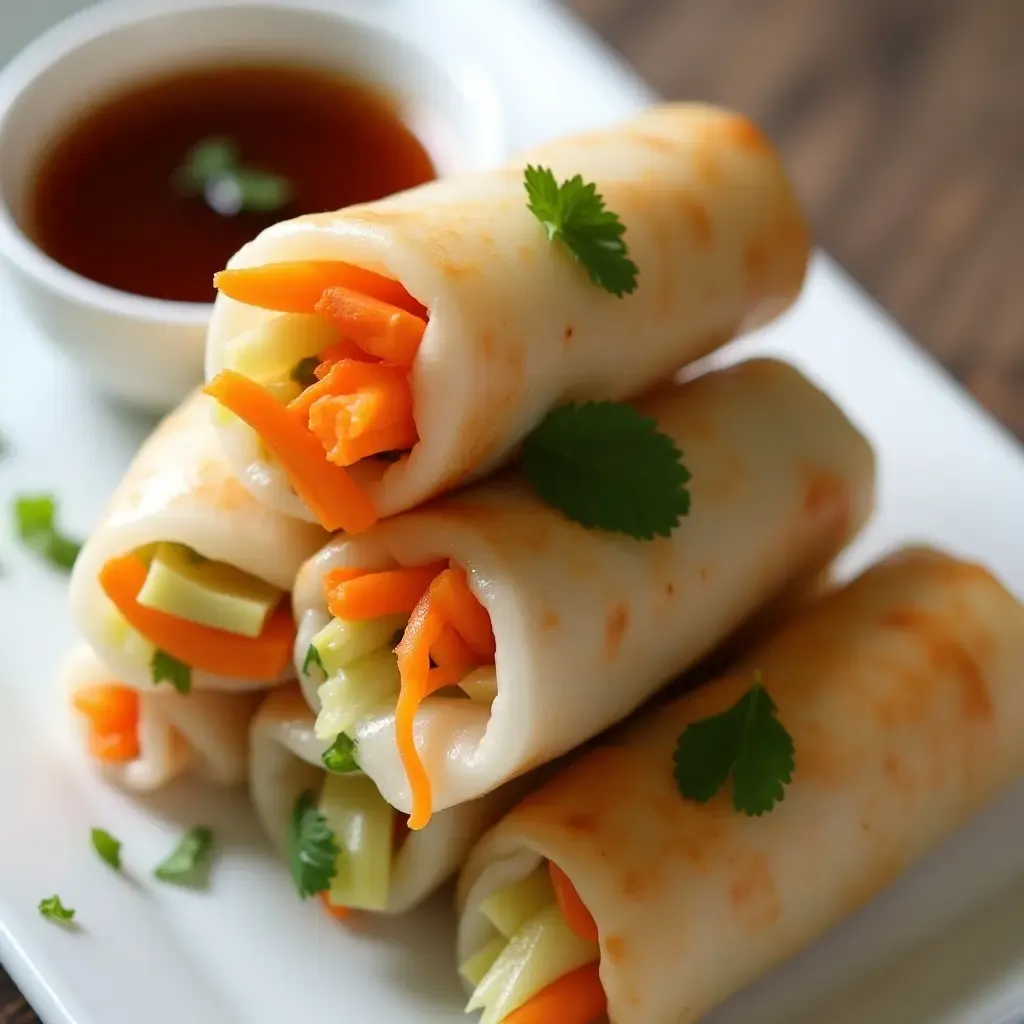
425, 625
296, 287
573, 909
336, 500
380, 328
450, 650
451, 593
335, 910
342, 349
341, 574
576, 998
200, 647
346, 377
391, 592
113, 715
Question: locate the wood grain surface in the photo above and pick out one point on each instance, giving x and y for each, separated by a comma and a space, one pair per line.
903, 124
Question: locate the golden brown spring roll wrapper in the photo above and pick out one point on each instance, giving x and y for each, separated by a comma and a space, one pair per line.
903, 695
179, 488
590, 624
516, 325
205, 735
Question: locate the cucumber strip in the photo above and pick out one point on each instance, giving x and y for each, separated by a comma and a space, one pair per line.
481, 684
339, 643
474, 969
270, 351
510, 908
214, 594
542, 951
362, 823
355, 691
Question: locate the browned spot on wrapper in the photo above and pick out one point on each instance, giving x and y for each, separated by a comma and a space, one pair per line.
670, 590
756, 259
634, 886
567, 335
581, 822
947, 655
753, 894
705, 161
549, 620
704, 573
487, 344
616, 622
615, 948
744, 134
700, 221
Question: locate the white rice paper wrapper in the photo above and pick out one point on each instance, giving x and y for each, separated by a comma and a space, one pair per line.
516, 326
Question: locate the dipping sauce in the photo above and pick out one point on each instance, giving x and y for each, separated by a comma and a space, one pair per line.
129, 196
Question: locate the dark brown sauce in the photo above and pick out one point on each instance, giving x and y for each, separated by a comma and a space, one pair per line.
104, 203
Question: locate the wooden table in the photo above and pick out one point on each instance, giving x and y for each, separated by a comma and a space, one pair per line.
903, 123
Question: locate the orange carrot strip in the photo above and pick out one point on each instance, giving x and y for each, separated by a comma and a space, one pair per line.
573, 909
450, 651
335, 910
347, 451
451, 594
336, 500
575, 998
201, 647
346, 377
296, 287
391, 592
341, 574
425, 625
343, 349
113, 715
380, 328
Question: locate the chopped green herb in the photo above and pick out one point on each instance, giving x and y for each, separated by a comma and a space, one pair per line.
211, 169
302, 372
311, 847
52, 909
604, 465
340, 756
746, 742
575, 213
34, 516
165, 668
189, 862
107, 847
312, 658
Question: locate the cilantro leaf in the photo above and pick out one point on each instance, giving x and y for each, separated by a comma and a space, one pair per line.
303, 371
312, 658
34, 516
212, 169
52, 909
575, 213
747, 742
107, 847
166, 669
189, 862
606, 466
311, 847
340, 756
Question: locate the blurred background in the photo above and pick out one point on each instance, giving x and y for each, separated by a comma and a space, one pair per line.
903, 124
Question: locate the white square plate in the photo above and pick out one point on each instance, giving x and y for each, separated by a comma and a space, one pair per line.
944, 944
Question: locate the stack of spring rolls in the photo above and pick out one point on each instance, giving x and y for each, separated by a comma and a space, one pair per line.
330, 576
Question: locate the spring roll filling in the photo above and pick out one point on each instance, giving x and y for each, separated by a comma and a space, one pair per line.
206, 614
397, 637
325, 383
538, 956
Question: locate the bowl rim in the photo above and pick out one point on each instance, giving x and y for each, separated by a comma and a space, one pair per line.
67, 36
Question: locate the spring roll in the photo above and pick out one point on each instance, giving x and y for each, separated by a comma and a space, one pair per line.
382, 866
902, 695
445, 325
555, 632
185, 582
144, 740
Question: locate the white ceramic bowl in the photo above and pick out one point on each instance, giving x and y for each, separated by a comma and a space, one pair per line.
149, 352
